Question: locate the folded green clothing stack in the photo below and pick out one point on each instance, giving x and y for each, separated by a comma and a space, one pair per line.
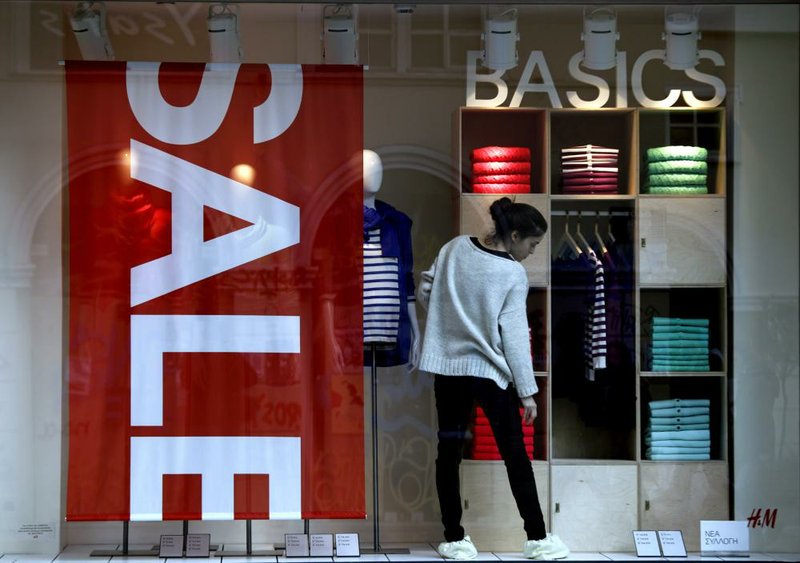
679, 344
677, 170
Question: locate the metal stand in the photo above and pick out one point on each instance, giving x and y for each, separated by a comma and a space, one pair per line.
248, 552
124, 551
376, 527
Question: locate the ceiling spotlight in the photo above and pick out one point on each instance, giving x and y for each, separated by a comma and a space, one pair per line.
223, 34
89, 27
681, 33
600, 39
339, 37
500, 39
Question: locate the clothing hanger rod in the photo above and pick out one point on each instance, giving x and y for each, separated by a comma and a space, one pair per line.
591, 213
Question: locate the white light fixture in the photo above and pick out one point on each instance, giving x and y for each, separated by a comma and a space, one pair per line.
89, 27
681, 31
500, 39
339, 37
223, 34
599, 38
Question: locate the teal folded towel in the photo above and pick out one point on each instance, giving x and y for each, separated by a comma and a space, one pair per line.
684, 369
680, 354
682, 435
676, 152
687, 337
672, 166
667, 403
667, 450
676, 180
679, 362
679, 412
679, 457
691, 419
672, 321
676, 427
678, 443
697, 347
684, 329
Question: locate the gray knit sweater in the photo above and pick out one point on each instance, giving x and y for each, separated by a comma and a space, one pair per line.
477, 323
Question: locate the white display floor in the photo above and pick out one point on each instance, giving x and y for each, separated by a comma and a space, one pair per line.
420, 552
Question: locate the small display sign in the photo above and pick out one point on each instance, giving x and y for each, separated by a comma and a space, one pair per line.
322, 545
724, 537
672, 543
646, 543
198, 545
296, 545
170, 546
347, 545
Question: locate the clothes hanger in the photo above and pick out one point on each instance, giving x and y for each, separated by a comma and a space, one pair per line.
609, 234
597, 236
580, 238
567, 242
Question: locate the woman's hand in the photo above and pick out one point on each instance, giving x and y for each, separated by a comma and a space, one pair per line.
530, 409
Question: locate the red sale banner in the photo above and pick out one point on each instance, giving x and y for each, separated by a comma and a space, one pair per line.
215, 323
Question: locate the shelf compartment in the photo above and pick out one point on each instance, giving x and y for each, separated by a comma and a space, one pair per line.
690, 127
517, 127
612, 128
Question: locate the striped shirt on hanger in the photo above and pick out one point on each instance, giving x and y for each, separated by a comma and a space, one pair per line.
595, 345
381, 292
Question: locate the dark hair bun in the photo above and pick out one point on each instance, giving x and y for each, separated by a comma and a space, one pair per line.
500, 208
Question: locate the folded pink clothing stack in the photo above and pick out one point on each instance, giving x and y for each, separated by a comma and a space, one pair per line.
589, 169
501, 170
484, 446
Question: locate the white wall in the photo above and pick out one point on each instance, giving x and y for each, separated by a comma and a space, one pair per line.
765, 286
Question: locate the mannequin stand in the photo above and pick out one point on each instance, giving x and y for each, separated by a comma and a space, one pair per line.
248, 552
376, 527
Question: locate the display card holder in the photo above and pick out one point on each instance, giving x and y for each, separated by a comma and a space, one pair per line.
296, 545
198, 545
724, 537
646, 542
321, 545
347, 545
672, 544
170, 546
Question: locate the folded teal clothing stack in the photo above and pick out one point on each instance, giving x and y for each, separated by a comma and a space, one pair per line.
678, 170
680, 344
678, 429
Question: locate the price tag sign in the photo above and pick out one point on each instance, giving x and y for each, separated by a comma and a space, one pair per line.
347, 545
646, 543
724, 537
198, 545
672, 543
296, 545
171, 546
322, 545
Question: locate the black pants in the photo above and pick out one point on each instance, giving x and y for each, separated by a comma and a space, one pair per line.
455, 397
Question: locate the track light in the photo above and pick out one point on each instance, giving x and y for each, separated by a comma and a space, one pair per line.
600, 39
681, 32
339, 37
89, 27
500, 39
223, 34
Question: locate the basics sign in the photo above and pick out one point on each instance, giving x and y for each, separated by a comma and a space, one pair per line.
214, 291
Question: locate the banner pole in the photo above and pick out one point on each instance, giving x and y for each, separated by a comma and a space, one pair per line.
125, 529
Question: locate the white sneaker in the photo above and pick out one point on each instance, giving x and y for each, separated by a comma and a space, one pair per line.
551, 547
461, 549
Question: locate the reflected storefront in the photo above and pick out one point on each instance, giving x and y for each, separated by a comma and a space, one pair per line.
707, 236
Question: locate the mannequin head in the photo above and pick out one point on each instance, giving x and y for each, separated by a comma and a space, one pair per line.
373, 176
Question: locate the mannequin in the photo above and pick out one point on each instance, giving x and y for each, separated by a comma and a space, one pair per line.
387, 238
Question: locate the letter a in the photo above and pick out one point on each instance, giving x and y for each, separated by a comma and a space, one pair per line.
275, 223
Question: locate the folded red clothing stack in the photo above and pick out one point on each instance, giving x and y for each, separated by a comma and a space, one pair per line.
589, 169
501, 170
484, 446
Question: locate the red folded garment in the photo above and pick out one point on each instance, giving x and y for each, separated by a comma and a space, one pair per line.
588, 169
611, 188
492, 457
501, 188
501, 178
501, 168
590, 174
489, 441
501, 154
